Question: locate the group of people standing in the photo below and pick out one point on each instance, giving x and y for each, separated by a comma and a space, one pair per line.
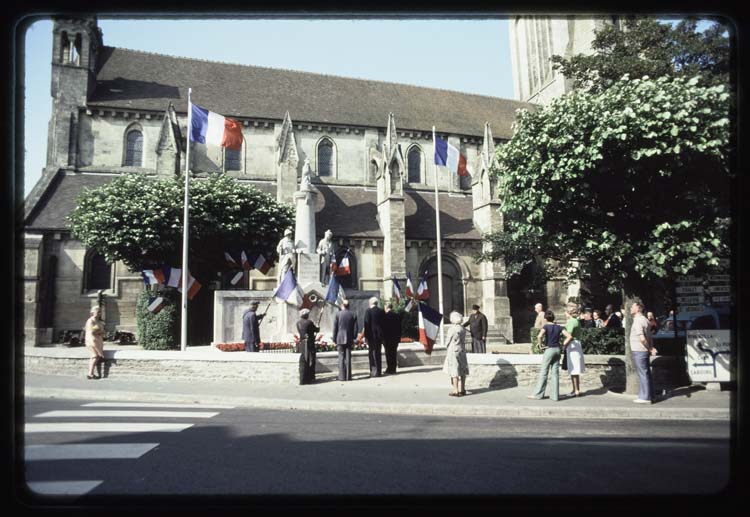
570, 351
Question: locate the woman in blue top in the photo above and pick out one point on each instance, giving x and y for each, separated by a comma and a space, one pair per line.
551, 357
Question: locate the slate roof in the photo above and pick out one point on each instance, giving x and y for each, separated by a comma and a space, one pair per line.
141, 80
346, 211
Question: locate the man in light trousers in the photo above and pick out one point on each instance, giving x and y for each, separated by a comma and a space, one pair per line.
641, 347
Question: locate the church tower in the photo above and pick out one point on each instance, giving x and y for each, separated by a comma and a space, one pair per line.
75, 46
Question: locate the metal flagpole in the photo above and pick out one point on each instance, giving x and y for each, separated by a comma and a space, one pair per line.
437, 225
186, 229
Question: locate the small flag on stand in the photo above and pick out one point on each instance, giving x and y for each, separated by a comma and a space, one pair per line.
423, 292
245, 262
173, 276
429, 326
230, 260
450, 157
288, 291
193, 286
155, 304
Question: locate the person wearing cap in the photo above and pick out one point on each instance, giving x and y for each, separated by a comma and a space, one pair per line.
477, 324
251, 328
307, 330
344, 333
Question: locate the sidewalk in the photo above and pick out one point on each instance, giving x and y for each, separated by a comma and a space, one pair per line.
420, 390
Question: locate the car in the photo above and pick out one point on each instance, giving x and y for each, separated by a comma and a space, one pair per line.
669, 341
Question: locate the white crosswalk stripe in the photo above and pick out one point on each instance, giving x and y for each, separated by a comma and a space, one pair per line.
82, 422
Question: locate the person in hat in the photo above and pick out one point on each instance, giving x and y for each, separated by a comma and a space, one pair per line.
477, 324
307, 330
251, 328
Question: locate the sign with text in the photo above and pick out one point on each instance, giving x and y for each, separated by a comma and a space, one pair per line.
709, 355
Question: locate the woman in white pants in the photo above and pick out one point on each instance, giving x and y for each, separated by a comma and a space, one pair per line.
575, 360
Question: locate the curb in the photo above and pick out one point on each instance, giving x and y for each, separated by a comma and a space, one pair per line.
640, 413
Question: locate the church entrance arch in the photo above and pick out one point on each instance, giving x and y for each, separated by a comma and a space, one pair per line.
453, 287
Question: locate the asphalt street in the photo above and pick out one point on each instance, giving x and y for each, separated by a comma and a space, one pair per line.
89, 450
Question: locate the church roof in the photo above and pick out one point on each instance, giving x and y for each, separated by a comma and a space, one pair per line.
129, 79
348, 211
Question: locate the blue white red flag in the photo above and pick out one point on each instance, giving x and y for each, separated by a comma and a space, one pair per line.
155, 304
193, 285
423, 292
409, 293
237, 277
260, 263
211, 128
396, 290
288, 290
335, 294
230, 260
450, 157
429, 326
343, 268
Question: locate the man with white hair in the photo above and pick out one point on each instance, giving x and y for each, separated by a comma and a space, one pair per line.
344, 333
539, 321
373, 329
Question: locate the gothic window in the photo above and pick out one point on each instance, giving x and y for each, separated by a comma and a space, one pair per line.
233, 160
134, 148
326, 158
373, 177
97, 274
75, 52
65, 47
414, 162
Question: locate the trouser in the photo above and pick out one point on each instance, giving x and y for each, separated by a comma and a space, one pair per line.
642, 365
550, 362
391, 356
375, 356
252, 347
478, 346
345, 362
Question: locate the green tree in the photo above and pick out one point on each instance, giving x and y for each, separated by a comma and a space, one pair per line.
645, 46
634, 181
139, 220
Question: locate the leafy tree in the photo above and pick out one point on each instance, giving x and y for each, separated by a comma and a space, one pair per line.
644, 46
138, 220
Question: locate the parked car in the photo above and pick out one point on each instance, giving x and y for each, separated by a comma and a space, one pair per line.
669, 342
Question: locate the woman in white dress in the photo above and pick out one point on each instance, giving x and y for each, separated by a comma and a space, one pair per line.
456, 365
575, 360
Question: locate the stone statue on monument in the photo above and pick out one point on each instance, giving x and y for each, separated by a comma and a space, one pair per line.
286, 251
304, 183
326, 250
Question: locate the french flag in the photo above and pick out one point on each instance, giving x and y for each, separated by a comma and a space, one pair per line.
193, 285
260, 263
343, 268
236, 278
409, 293
450, 157
429, 326
230, 260
396, 290
246, 265
210, 128
423, 293
288, 290
155, 304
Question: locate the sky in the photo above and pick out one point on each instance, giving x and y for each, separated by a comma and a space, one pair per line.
470, 56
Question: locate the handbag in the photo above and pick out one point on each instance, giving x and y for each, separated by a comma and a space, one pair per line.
564, 359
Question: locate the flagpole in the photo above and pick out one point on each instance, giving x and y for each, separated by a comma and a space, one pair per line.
439, 244
186, 230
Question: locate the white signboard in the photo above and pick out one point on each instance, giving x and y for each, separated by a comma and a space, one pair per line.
719, 278
682, 300
718, 289
690, 290
708, 355
721, 298
690, 308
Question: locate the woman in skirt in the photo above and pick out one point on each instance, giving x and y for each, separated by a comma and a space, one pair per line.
574, 351
456, 364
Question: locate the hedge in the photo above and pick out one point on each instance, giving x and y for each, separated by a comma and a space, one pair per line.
160, 331
596, 341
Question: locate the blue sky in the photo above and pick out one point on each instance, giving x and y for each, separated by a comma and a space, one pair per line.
464, 55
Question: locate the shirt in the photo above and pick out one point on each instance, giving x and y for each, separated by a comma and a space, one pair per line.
639, 328
552, 333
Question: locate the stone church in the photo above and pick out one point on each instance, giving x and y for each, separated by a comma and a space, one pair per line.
368, 145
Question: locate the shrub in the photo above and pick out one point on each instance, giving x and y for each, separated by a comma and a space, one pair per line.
160, 331
603, 341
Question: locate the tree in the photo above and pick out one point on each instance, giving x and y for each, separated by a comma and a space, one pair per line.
634, 181
139, 220
644, 46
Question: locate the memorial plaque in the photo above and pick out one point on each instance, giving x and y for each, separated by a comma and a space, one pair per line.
309, 268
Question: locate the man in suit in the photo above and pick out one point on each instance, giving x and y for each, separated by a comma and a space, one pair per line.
251, 328
391, 337
344, 334
373, 329
477, 324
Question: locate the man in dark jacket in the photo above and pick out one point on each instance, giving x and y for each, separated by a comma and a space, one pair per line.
612, 321
250, 328
391, 337
373, 329
477, 324
344, 334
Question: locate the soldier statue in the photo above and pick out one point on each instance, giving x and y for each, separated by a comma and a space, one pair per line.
326, 250
286, 250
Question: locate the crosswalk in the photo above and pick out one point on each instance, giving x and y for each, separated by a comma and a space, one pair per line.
118, 417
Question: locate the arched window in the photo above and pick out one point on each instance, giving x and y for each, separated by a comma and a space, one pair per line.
232, 160
326, 158
97, 274
134, 148
414, 162
373, 177
75, 53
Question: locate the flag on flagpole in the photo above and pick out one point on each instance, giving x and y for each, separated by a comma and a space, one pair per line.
155, 304
288, 290
396, 290
193, 286
410, 305
173, 276
152, 277
409, 293
343, 268
211, 128
230, 260
423, 292
450, 157
429, 326
335, 294
259, 262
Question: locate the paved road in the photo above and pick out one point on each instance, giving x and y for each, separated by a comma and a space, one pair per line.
91, 448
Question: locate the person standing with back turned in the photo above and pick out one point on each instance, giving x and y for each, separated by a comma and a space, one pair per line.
373, 329
344, 333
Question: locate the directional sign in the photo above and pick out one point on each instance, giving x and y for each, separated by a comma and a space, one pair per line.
718, 289
683, 280
709, 355
720, 299
690, 308
719, 278
690, 290
681, 300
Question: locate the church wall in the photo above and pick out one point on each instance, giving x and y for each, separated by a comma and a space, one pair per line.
101, 140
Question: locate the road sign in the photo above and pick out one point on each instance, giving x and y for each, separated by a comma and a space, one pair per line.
719, 278
685, 280
690, 308
682, 300
690, 290
718, 289
720, 299
708, 355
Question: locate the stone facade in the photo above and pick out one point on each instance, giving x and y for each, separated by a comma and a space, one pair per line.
375, 206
